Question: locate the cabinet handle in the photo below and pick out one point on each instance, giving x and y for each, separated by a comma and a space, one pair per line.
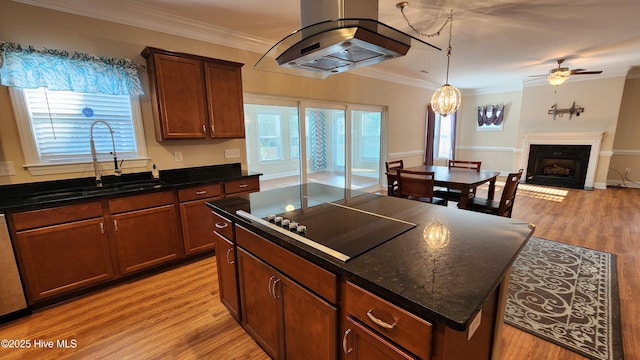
229, 250
202, 192
344, 342
275, 283
271, 282
242, 186
102, 228
204, 129
115, 224
380, 322
221, 225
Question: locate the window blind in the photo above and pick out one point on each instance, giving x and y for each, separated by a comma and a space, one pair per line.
61, 123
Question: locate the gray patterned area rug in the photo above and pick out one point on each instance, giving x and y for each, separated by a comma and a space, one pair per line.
567, 295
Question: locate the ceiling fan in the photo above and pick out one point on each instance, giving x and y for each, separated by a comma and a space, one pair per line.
559, 75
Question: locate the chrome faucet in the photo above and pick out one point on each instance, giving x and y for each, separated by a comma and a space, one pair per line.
96, 167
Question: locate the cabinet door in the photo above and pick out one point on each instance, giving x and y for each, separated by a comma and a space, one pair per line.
260, 308
227, 275
197, 227
145, 238
224, 94
60, 258
360, 343
310, 323
180, 100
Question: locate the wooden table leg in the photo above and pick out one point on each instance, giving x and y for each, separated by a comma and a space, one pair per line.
492, 188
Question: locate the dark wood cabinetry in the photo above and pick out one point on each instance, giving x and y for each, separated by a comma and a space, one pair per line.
194, 97
283, 317
361, 343
227, 265
286, 317
62, 249
197, 222
388, 323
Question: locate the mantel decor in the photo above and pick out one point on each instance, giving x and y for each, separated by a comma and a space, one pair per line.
574, 109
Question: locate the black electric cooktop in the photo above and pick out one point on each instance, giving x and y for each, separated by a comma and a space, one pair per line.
324, 221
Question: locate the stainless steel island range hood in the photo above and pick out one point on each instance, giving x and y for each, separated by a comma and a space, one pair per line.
337, 36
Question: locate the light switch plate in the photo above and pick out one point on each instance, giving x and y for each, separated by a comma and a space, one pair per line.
231, 153
6, 168
178, 155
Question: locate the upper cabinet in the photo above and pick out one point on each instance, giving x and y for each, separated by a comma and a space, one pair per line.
194, 97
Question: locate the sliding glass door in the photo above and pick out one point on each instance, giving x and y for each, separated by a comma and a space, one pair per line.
340, 144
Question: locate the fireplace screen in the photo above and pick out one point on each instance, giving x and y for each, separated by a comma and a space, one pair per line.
558, 165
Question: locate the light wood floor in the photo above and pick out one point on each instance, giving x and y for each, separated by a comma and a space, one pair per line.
177, 315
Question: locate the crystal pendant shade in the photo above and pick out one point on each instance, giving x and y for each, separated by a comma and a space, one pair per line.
446, 100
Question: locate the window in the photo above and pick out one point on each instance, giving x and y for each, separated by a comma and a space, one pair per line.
443, 137
55, 128
370, 143
294, 135
269, 140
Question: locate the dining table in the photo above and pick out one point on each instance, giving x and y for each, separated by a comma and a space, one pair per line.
464, 180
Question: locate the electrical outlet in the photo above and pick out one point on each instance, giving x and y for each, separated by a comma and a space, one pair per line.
627, 170
231, 153
178, 155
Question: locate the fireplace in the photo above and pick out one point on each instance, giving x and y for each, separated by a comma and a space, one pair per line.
558, 165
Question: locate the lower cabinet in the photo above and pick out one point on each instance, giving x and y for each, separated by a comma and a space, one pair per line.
145, 230
361, 343
287, 320
227, 275
60, 258
146, 238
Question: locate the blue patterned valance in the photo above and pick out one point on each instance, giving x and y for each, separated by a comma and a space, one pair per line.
26, 67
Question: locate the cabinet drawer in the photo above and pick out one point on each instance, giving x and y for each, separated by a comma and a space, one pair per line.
242, 186
222, 226
56, 215
200, 192
138, 202
400, 326
310, 275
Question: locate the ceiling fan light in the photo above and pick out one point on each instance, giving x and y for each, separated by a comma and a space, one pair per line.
446, 100
557, 78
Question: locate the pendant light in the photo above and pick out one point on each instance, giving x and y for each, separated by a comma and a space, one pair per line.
446, 100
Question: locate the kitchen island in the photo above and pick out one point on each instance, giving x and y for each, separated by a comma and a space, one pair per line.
380, 275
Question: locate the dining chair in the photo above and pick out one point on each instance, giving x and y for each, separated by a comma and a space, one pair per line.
505, 205
392, 180
454, 194
465, 164
417, 185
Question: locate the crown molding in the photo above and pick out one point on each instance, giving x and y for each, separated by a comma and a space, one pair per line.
152, 19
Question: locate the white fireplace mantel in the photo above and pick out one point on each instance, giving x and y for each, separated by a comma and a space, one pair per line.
593, 138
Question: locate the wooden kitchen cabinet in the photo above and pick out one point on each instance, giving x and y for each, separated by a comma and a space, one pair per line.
383, 321
62, 249
361, 343
196, 217
194, 97
287, 303
227, 275
146, 231
283, 317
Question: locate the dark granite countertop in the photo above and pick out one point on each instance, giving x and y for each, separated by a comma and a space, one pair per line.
47, 193
447, 284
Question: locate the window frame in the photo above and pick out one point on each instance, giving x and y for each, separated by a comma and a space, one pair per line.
33, 162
